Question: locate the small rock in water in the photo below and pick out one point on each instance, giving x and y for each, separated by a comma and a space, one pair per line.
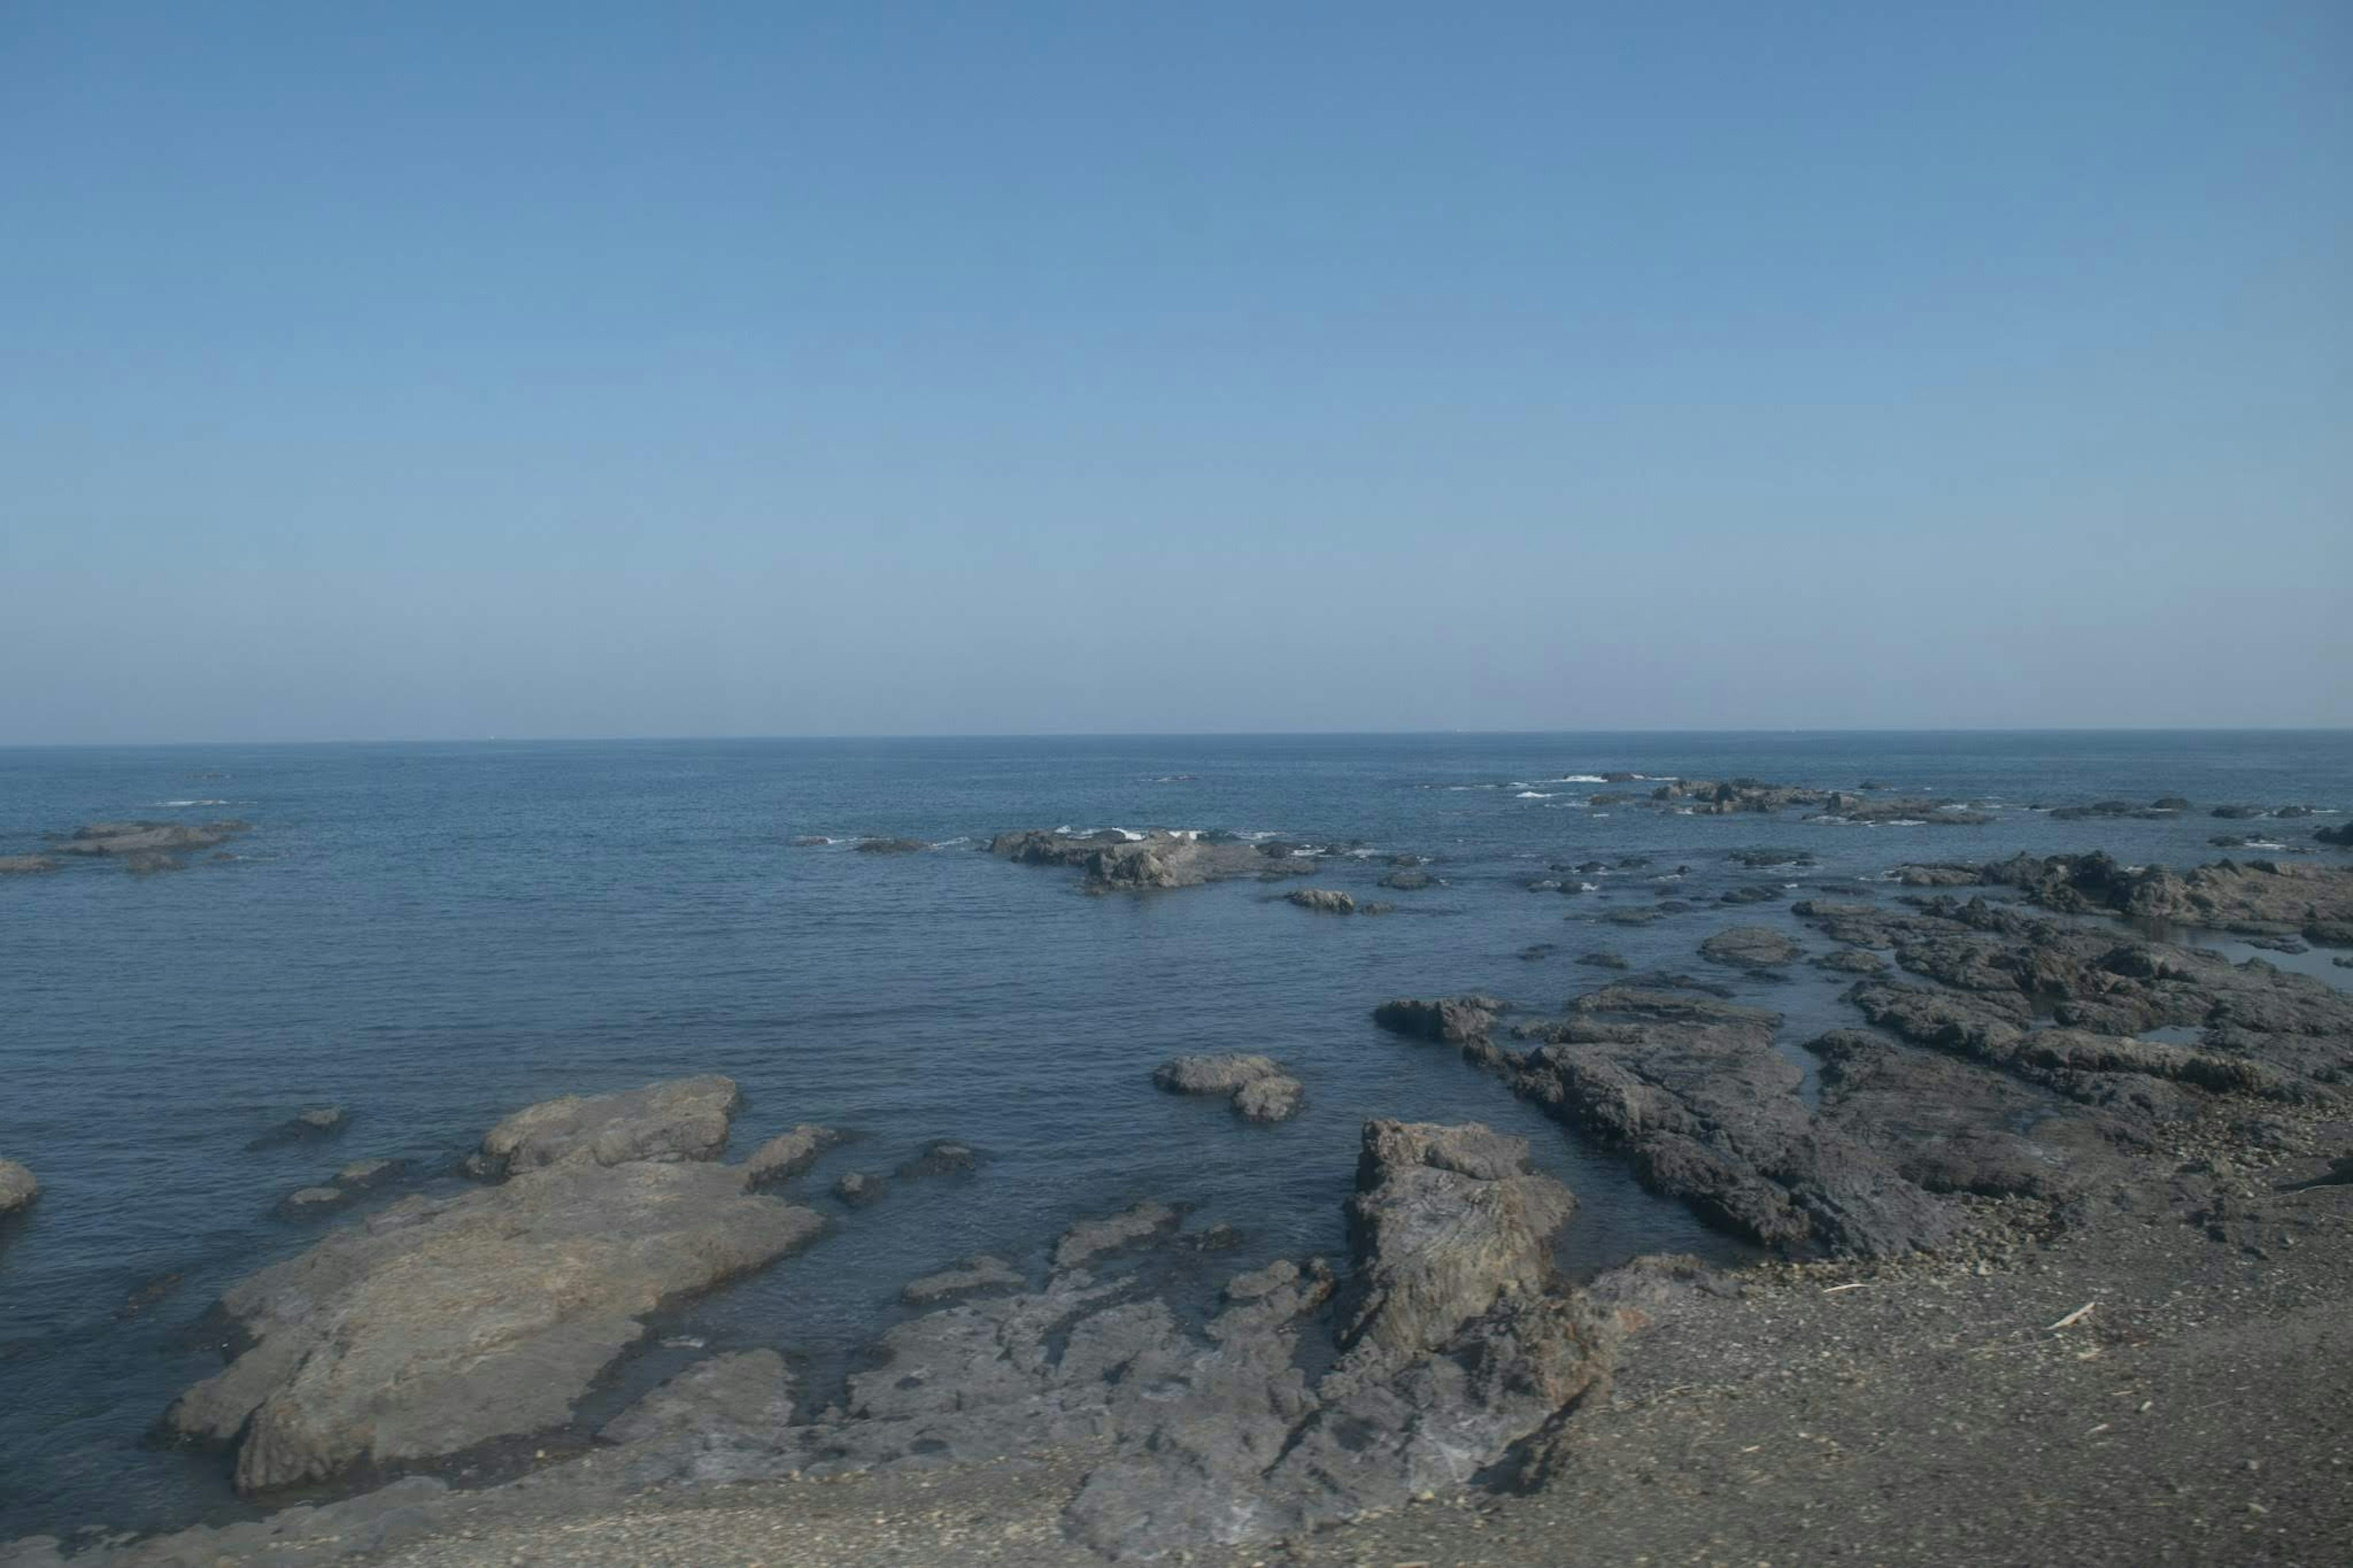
859, 1188
317, 1121
941, 1157
788, 1153
18, 1186
1322, 900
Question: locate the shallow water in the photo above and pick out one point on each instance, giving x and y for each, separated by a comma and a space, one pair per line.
432, 935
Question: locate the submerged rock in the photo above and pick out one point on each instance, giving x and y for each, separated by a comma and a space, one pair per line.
1090, 1239
1749, 947
439, 1324
1259, 1088
18, 1187
1408, 881
859, 1188
1450, 1020
941, 1157
1324, 901
890, 846
682, 1119
26, 865
147, 846
978, 1273
788, 1154
317, 1121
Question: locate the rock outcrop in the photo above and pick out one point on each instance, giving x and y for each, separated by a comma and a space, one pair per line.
1113, 862
1749, 947
684, 1119
788, 1154
18, 1187
317, 1121
1322, 900
1449, 1020
1257, 1087
439, 1324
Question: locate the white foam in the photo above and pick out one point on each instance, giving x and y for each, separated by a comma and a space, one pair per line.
1589, 887
2261, 844
182, 803
1580, 778
1532, 795
1600, 814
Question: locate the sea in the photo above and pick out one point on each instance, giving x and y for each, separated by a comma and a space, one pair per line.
430, 936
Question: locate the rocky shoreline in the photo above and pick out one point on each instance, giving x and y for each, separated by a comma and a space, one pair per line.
2056, 1154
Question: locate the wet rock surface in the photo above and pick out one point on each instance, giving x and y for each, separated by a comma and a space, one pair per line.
141, 847
1322, 900
788, 1154
1750, 947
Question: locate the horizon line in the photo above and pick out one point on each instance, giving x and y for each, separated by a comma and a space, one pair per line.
748, 738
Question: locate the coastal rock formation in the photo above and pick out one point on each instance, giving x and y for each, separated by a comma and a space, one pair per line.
1113, 862
941, 1157
317, 1121
439, 1324
1749, 947
2341, 835
1090, 1239
889, 846
982, 1272
2261, 898
18, 1186
1322, 900
26, 865
715, 1422
1693, 1095
1259, 1089
788, 1154
684, 1119
1725, 797
1450, 1020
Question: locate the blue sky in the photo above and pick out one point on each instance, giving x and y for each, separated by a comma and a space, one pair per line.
581, 370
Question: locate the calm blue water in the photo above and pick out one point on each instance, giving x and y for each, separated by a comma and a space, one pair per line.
432, 935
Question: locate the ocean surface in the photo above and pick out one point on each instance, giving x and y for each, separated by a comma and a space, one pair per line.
433, 935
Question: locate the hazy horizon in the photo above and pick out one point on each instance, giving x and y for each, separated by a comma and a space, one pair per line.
1063, 370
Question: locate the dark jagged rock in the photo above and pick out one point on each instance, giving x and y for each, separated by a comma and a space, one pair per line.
1113, 862
859, 1188
788, 1154
1408, 881
722, 1419
1852, 960
1322, 900
1605, 959
2236, 813
1692, 1093
1769, 859
890, 846
1749, 947
2341, 835
941, 1157
1936, 876
1725, 797
1952, 1128
1449, 1020
1258, 1089
2262, 897
2115, 808
682, 1119
1752, 893
1538, 950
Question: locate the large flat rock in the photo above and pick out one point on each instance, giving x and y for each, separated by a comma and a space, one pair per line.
439, 1324
684, 1119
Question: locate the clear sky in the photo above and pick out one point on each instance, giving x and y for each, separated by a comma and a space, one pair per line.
573, 369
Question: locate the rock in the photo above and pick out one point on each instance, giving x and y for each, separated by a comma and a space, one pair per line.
317, 1121
26, 865
1604, 960
1725, 797
1450, 1217
941, 1157
1633, 917
1852, 960
1112, 862
2114, 808
2291, 811
1536, 949
809, 841
978, 1273
1259, 1090
360, 1174
306, 1201
1752, 893
1090, 1239
438, 1324
2236, 813
889, 846
148, 847
2341, 835
682, 1119
1749, 947
859, 1188
18, 1187
1408, 881
722, 1419
1450, 1020
1761, 859
788, 1154
1377, 907
1694, 1096
2259, 897
1322, 900
1936, 876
